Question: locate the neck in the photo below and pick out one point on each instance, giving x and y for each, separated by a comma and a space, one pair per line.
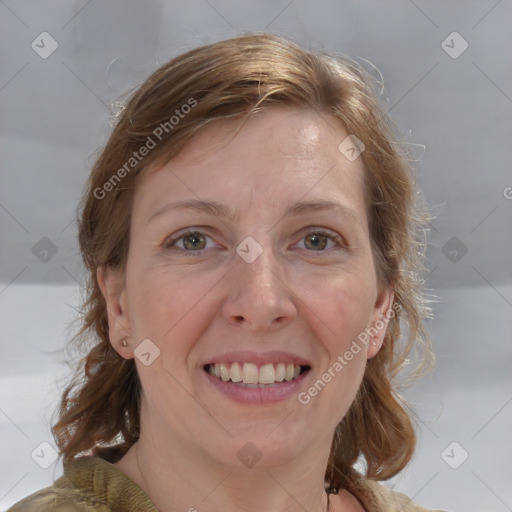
180, 481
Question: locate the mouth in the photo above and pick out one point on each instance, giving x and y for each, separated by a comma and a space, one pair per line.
251, 375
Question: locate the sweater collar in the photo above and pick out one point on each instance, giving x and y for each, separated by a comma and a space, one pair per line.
107, 484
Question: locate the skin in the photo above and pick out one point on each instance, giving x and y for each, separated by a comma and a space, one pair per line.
294, 297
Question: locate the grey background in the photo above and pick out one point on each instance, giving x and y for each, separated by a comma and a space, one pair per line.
455, 110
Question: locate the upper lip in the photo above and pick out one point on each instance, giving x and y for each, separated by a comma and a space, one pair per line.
246, 356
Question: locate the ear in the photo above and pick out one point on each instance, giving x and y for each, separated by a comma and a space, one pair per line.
112, 285
381, 314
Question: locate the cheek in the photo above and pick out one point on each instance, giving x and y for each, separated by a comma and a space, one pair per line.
167, 309
170, 308
342, 307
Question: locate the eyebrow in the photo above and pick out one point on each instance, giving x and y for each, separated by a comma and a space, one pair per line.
222, 211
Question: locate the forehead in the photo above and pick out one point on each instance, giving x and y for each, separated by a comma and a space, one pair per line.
279, 156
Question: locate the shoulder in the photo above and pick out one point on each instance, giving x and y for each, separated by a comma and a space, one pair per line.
59, 497
377, 497
89, 484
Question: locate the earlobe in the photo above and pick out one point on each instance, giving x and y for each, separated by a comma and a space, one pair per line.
112, 287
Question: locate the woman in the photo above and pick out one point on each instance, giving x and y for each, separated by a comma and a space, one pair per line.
250, 237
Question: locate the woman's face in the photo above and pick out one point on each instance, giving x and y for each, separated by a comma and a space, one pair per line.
267, 280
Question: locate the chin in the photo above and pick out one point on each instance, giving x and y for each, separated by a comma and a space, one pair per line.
261, 447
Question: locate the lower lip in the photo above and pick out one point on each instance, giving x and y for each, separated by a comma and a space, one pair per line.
275, 393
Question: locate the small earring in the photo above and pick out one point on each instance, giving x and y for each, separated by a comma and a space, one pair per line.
123, 342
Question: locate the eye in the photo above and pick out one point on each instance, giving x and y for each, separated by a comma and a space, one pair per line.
193, 241
318, 240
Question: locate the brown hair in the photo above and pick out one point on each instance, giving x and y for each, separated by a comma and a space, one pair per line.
99, 411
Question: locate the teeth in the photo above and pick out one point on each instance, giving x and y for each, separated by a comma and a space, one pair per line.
280, 372
224, 373
236, 373
289, 372
249, 374
267, 374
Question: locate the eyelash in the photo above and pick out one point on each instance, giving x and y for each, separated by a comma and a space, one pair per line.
171, 241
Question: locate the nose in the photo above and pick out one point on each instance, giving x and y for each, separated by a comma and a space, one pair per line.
260, 299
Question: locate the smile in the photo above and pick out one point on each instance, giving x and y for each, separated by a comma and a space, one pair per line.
252, 375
